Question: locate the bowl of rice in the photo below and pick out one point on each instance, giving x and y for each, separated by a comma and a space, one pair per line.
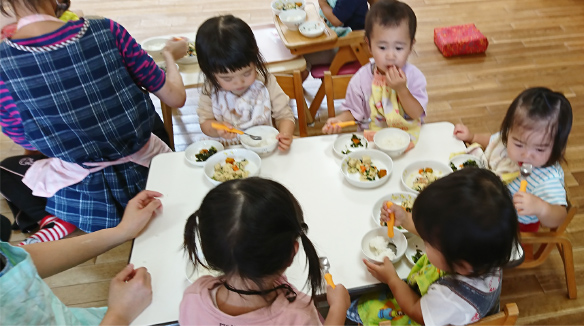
266, 145
393, 141
374, 245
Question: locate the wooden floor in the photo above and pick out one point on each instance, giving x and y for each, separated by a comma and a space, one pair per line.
532, 43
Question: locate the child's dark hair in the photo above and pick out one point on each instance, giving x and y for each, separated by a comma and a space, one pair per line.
536, 107
33, 5
390, 13
248, 228
226, 44
468, 216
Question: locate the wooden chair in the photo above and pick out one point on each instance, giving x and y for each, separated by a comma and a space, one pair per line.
506, 317
292, 86
546, 242
335, 87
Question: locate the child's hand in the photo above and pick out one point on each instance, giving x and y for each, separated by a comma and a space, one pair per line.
330, 127
138, 213
129, 294
284, 141
396, 78
528, 204
338, 297
177, 47
401, 215
382, 272
461, 132
226, 134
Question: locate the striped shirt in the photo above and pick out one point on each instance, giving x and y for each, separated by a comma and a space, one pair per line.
141, 67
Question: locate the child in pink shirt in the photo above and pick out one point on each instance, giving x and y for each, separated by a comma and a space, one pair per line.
246, 232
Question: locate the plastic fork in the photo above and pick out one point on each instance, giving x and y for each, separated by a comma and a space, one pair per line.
219, 126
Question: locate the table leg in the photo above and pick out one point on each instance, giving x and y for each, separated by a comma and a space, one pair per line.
167, 119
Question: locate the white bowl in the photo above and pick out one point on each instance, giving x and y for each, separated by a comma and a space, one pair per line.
277, 11
399, 239
238, 154
195, 148
414, 242
189, 59
311, 28
343, 144
379, 159
393, 141
162, 65
458, 161
265, 146
397, 198
412, 171
154, 46
293, 18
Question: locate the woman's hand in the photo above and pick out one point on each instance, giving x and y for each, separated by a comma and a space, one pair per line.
138, 213
177, 47
384, 272
129, 294
284, 141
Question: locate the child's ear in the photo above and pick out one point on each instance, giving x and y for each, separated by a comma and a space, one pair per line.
296, 246
413, 43
463, 268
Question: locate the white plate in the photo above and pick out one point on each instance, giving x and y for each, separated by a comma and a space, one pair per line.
379, 159
238, 154
196, 147
458, 160
411, 172
311, 28
414, 242
343, 143
396, 198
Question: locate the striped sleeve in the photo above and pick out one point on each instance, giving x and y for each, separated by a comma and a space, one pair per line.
551, 188
144, 71
10, 119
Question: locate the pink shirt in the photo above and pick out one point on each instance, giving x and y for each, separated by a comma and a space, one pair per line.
198, 308
359, 90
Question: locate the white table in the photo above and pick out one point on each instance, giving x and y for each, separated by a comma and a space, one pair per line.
337, 214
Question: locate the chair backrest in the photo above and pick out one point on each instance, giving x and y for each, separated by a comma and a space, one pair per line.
506, 317
292, 86
335, 87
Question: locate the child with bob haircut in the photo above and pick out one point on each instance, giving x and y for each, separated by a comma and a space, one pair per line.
234, 93
469, 227
534, 131
247, 230
389, 91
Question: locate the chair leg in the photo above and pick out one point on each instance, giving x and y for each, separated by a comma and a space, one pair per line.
568, 258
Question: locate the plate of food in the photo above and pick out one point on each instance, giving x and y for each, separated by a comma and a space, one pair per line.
348, 143
231, 164
404, 199
197, 153
280, 5
418, 175
368, 168
463, 161
415, 249
191, 56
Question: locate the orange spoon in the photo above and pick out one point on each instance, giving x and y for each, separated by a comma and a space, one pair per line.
391, 221
219, 126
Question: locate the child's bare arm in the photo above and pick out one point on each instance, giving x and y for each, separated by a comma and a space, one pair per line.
339, 302
286, 128
327, 10
463, 133
210, 131
407, 299
397, 80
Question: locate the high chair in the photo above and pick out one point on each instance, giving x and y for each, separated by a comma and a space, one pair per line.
335, 87
292, 86
506, 317
546, 240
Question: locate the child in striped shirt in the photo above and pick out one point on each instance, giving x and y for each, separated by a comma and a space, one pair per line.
534, 131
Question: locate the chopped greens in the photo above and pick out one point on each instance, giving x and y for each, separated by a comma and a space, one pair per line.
417, 256
356, 142
466, 164
204, 154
